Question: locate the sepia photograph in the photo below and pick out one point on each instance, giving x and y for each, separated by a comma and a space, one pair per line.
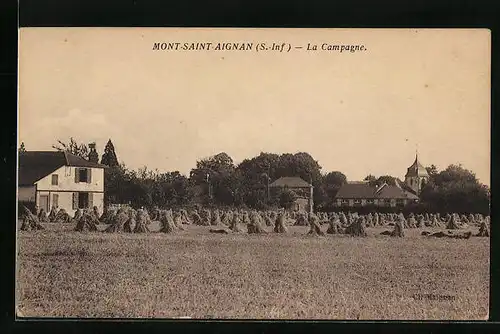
244, 173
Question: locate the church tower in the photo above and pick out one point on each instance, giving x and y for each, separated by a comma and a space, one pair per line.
416, 176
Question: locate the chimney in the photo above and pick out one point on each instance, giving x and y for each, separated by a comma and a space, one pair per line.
93, 156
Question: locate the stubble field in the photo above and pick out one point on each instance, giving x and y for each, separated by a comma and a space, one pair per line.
197, 274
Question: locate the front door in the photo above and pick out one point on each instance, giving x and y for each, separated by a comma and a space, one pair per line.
44, 202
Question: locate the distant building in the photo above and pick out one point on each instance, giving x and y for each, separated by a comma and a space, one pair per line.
358, 194
60, 179
363, 193
416, 176
304, 190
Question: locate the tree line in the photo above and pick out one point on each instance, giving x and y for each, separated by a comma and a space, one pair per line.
218, 181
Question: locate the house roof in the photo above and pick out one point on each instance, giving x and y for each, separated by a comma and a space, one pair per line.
363, 190
416, 169
406, 187
356, 190
291, 182
389, 192
35, 165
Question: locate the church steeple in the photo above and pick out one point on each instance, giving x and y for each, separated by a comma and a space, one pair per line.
416, 175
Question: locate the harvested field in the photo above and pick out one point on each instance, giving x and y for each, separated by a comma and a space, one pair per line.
198, 274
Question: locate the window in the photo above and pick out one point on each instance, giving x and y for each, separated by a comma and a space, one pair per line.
400, 202
55, 200
357, 201
83, 175
82, 200
369, 201
55, 179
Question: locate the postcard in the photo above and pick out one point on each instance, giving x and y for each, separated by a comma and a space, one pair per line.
244, 173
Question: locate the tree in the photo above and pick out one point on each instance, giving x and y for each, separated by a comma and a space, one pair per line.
378, 181
287, 198
432, 170
456, 189
171, 189
254, 169
109, 156
257, 171
301, 164
254, 175
72, 147
117, 185
370, 178
390, 180
215, 173
332, 183
22, 148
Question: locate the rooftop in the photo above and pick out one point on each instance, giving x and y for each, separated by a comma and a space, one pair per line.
363, 190
291, 182
35, 165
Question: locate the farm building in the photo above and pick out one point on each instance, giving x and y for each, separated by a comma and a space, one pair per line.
304, 190
363, 193
60, 179
402, 193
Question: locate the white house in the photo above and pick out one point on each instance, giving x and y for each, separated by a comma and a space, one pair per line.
60, 179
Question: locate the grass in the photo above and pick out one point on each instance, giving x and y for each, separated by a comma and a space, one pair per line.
202, 275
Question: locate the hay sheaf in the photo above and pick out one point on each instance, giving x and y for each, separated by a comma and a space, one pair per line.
30, 221
130, 223
449, 234
118, 223
86, 223
62, 217
216, 219
398, 230
196, 218
279, 225
142, 222
52, 214
484, 230
167, 222
356, 229
235, 224
334, 227
452, 223
302, 219
314, 226
219, 230
43, 217
255, 225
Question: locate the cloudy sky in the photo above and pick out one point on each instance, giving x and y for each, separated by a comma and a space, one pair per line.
360, 113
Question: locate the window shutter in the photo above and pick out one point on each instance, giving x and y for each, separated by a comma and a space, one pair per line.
75, 201
89, 175
91, 200
76, 175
